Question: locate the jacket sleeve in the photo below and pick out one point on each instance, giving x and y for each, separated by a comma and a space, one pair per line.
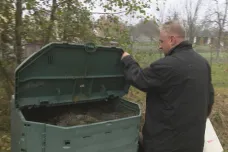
211, 92
143, 79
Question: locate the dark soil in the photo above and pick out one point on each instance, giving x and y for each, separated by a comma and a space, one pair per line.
78, 114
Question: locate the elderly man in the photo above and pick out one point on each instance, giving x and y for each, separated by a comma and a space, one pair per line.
179, 91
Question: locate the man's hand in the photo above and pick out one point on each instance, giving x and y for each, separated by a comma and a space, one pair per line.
124, 55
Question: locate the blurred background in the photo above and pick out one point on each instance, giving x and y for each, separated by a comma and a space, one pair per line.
28, 25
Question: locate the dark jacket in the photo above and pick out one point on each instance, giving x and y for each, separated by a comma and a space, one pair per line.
179, 99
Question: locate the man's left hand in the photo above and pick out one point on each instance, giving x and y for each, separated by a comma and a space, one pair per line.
124, 55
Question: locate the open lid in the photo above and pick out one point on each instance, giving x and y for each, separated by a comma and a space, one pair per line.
61, 73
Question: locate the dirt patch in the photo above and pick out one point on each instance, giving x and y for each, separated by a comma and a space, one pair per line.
219, 116
139, 97
4, 142
74, 119
4, 116
4, 126
79, 114
90, 116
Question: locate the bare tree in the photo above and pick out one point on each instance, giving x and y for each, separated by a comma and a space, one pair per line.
218, 16
192, 17
162, 10
188, 16
149, 29
173, 15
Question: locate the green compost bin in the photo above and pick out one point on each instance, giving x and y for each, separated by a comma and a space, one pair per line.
72, 80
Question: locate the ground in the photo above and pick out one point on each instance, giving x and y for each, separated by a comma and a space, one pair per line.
4, 125
220, 81
218, 116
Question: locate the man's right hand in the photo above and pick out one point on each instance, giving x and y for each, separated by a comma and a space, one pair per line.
124, 55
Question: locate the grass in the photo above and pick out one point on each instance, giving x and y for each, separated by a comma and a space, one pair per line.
220, 81
220, 74
207, 52
218, 117
223, 57
219, 70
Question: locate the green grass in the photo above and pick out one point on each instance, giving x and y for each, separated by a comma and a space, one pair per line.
202, 48
220, 74
219, 80
219, 69
223, 56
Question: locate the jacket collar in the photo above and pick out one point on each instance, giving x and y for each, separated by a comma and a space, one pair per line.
184, 45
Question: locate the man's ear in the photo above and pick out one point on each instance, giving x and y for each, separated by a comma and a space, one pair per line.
173, 41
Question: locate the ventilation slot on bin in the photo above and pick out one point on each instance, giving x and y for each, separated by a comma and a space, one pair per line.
50, 59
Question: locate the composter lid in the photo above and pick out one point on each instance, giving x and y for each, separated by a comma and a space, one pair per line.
61, 73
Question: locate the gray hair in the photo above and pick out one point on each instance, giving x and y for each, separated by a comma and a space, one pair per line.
173, 27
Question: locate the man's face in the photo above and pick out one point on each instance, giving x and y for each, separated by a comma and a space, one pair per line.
165, 42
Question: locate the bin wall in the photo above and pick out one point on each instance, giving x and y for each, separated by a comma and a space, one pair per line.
120, 135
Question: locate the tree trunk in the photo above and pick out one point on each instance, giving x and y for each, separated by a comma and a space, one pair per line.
218, 43
18, 31
7, 81
66, 20
191, 32
51, 22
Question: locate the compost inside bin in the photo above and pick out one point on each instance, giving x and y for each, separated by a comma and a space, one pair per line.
79, 114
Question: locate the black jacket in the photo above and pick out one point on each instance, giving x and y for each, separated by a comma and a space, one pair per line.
179, 99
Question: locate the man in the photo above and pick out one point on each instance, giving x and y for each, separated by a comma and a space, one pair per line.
179, 94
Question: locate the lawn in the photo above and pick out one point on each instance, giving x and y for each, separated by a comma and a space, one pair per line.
219, 70
220, 81
220, 74
218, 117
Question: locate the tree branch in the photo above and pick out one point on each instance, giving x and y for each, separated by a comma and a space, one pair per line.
225, 14
109, 13
51, 22
210, 21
